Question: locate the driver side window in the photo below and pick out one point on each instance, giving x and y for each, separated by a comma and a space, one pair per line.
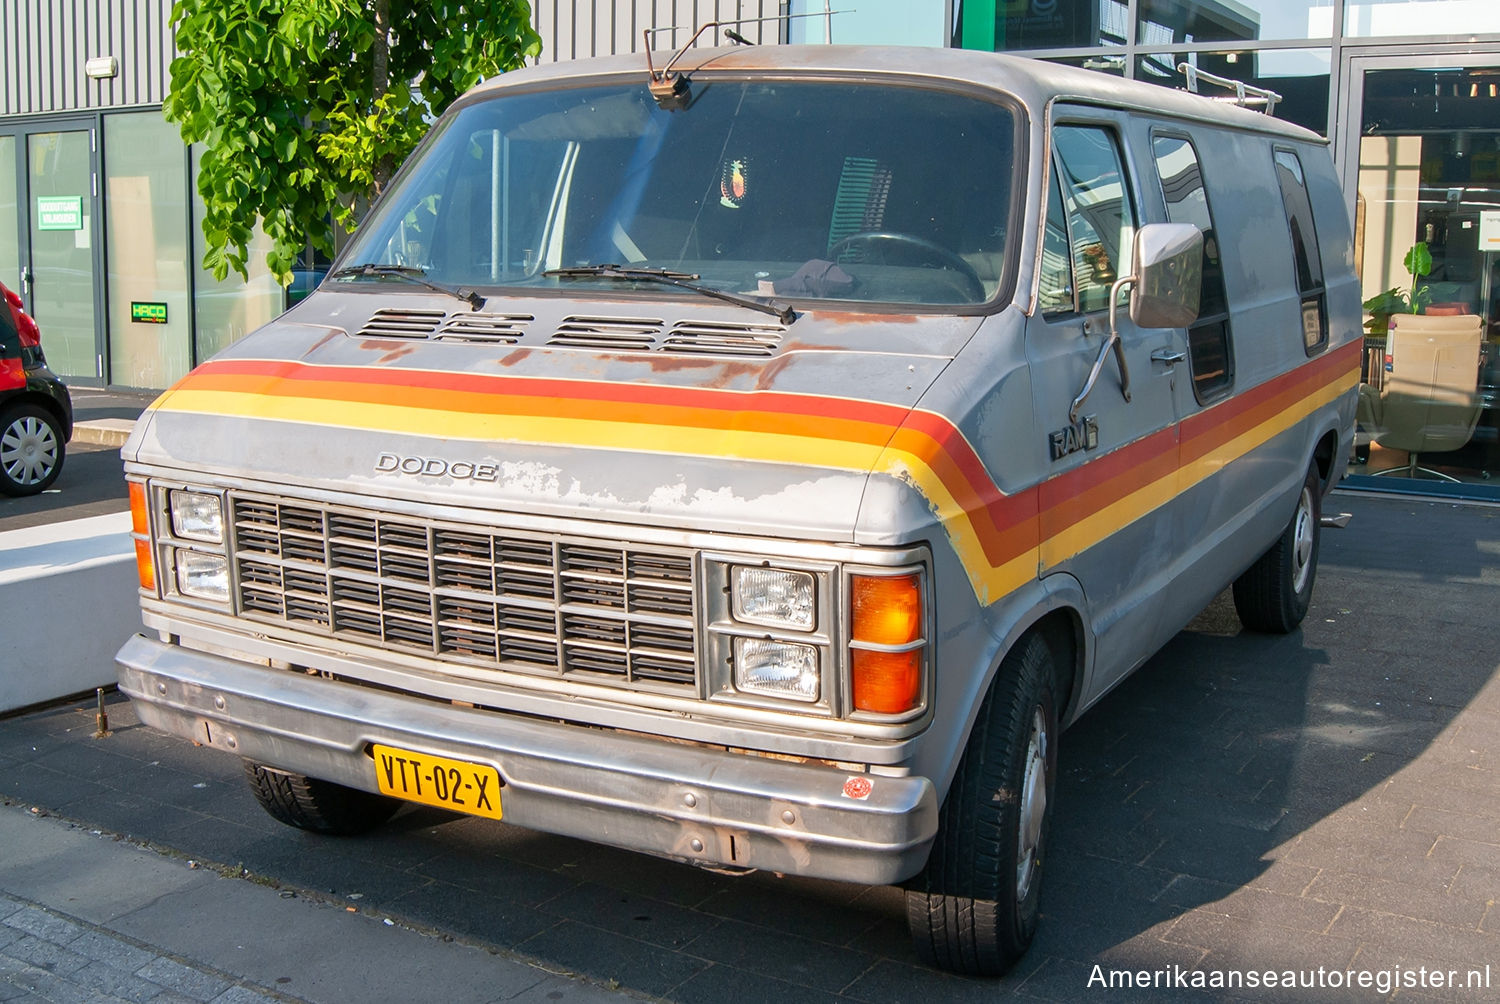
1090, 220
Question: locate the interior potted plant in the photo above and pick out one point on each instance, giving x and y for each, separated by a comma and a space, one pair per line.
1381, 306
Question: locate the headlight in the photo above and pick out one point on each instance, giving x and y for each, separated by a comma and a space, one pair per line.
773, 598
196, 516
776, 669
205, 576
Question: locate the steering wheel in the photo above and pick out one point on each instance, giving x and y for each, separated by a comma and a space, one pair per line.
915, 245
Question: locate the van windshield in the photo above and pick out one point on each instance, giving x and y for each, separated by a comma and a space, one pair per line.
813, 190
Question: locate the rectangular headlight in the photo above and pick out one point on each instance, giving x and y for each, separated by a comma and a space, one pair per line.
196, 516
773, 597
776, 669
205, 576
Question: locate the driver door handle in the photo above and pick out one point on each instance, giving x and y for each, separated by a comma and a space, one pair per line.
1169, 356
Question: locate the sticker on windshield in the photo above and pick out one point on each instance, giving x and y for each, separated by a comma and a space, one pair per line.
734, 183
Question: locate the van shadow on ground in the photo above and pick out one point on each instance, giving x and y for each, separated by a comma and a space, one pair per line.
1311, 800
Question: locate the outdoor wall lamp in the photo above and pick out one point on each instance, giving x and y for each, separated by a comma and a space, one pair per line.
102, 67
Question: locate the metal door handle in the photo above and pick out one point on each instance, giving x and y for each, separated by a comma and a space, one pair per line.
1169, 356
26, 277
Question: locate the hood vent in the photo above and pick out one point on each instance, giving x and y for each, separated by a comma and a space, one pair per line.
628, 334
460, 326
501, 329
713, 338
623, 333
393, 322
618, 334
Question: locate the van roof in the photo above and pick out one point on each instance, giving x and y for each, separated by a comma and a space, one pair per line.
1035, 82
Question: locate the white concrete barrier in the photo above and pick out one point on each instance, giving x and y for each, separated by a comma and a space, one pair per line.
68, 601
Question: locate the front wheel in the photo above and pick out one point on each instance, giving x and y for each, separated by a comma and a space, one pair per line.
310, 803
974, 908
1274, 593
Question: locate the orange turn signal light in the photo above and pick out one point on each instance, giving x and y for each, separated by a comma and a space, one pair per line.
887, 682
886, 610
138, 521
145, 565
140, 528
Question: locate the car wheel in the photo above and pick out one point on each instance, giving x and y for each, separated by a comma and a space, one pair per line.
974, 908
31, 450
309, 803
1274, 593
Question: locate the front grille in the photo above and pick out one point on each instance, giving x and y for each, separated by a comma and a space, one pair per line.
470, 596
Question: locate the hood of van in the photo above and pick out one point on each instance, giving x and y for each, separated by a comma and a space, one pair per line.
782, 443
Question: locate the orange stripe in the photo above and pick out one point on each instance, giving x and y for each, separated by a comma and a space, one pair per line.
1005, 526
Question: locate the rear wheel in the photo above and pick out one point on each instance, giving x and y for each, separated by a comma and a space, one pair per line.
31, 449
309, 803
973, 909
1274, 593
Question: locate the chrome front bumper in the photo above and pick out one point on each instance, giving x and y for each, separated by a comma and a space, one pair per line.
688, 803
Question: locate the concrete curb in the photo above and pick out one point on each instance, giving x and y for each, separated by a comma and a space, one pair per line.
103, 431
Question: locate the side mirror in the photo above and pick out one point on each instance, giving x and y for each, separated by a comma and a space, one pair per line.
1164, 294
1168, 275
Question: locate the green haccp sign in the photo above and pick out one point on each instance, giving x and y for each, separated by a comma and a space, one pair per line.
59, 212
148, 313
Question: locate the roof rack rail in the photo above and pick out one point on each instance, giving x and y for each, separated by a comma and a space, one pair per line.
1245, 95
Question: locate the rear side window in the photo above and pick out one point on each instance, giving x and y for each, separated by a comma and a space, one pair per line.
1305, 257
1089, 185
1181, 176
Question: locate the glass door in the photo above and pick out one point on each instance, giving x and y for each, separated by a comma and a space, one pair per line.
49, 247
10, 213
1420, 154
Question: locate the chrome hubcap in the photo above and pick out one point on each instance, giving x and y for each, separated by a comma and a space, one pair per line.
1033, 805
1302, 549
28, 450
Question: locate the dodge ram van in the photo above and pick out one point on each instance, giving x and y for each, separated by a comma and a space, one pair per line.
757, 461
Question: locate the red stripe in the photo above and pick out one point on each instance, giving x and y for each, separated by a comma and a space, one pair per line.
813, 406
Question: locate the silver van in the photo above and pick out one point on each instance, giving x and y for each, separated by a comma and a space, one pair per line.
756, 462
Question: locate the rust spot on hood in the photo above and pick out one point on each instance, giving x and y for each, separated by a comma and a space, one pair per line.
395, 354
851, 317
513, 357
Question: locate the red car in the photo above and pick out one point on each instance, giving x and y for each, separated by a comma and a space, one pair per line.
36, 414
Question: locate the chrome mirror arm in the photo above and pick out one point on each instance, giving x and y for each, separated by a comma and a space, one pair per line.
1112, 342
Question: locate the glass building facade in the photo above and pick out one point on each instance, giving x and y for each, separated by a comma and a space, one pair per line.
1408, 94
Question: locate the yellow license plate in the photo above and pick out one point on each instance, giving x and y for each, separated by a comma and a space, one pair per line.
438, 780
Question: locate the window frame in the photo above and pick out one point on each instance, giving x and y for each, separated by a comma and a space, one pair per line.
1314, 297
1203, 392
1130, 199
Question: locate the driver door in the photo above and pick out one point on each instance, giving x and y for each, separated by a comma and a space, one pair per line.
1106, 505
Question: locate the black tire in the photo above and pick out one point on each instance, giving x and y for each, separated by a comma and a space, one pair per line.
319, 806
32, 449
1273, 594
974, 908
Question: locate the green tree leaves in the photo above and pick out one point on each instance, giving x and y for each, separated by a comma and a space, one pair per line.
286, 99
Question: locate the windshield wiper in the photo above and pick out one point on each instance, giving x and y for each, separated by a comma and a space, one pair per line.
666, 277
410, 273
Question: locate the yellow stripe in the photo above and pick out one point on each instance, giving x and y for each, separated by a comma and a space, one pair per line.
988, 582
1211, 463
739, 444
1111, 519
1107, 521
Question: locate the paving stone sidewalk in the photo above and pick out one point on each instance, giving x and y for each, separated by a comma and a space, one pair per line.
46, 956
87, 917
